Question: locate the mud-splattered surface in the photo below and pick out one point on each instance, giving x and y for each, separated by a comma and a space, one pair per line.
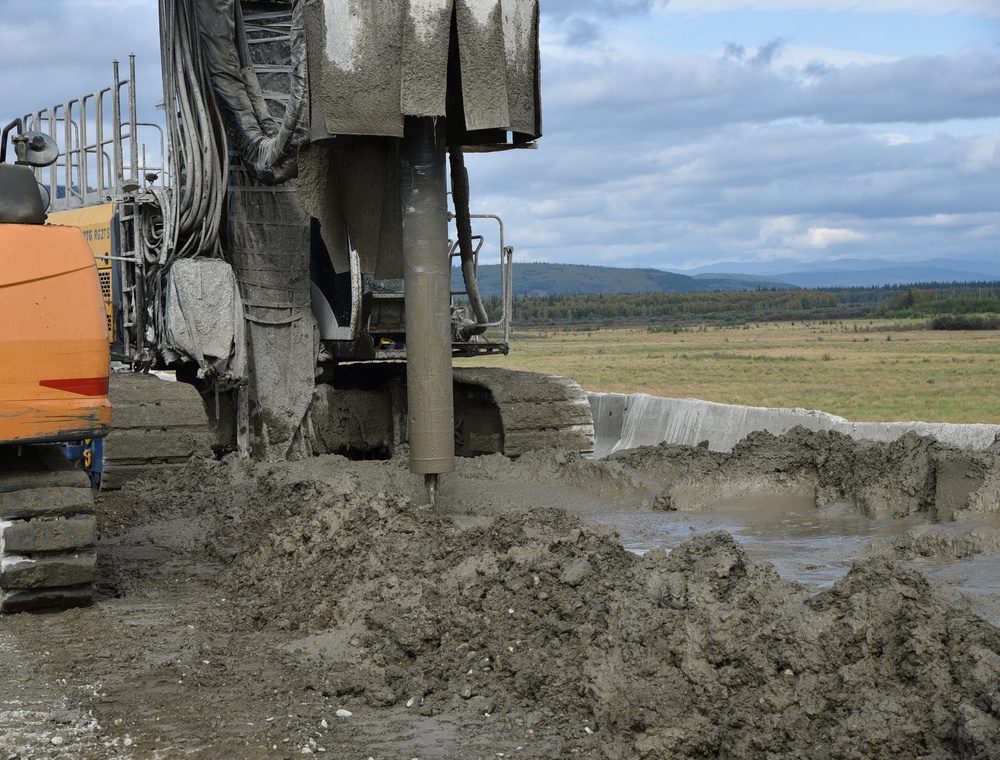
321, 608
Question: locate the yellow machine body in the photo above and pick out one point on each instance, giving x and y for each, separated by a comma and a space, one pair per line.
95, 223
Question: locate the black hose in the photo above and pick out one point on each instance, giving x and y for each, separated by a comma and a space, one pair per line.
270, 155
463, 221
199, 159
3, 139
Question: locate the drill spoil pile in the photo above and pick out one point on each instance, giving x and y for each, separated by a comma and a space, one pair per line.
283, 609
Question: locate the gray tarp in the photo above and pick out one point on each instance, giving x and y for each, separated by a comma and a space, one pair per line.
266, 145
269, 246
372, 62
204, 319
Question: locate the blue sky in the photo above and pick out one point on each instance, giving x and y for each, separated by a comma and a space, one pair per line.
685, 133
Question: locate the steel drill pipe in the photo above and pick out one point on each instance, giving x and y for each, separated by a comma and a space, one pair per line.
427, 286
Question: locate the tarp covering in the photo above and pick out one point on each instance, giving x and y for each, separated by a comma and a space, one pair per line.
266, 145
204, 319
269, 246
373, 62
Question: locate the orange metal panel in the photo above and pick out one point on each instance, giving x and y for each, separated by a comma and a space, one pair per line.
54, 349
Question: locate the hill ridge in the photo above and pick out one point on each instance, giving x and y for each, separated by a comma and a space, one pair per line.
539, 279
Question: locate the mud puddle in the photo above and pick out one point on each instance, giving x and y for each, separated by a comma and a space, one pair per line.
803, 548
974, 581
809, 549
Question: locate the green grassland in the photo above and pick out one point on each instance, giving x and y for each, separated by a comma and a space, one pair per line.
866, 370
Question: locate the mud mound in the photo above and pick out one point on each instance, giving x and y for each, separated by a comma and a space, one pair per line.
911, 475
947, 541
547, 621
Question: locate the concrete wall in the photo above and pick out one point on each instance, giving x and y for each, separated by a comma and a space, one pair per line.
627, 421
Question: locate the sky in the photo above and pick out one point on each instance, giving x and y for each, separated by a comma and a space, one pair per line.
685, 133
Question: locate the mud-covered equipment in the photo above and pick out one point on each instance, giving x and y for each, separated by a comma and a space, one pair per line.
54, 405
297, 223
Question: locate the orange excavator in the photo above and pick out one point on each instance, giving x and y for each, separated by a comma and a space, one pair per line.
54, 408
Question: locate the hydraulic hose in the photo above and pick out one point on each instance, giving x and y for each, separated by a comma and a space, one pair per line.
199, 158
463, 221
269, 149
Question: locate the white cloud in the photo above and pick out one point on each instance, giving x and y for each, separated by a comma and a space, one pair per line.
798, 147
819, 59
609, 95
612, 8
935, 220
571, 206
985, 231
777, 229
930, 7
894, 138
87, 35
824, 237
983, 154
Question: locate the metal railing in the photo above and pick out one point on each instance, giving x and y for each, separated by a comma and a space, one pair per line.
105, 149
506, 261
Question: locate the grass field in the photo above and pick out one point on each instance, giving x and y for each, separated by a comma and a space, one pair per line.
864, 371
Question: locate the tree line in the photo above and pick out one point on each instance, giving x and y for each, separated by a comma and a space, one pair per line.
924, 301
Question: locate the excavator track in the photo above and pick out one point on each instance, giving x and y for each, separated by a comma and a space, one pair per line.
48, 530
513, 411
497, 411
155, 422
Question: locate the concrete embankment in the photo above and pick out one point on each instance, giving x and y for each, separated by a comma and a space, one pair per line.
627, 421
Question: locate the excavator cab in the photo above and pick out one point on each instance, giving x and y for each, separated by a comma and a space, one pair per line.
22, 199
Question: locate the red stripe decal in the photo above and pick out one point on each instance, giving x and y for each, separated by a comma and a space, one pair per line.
85, 386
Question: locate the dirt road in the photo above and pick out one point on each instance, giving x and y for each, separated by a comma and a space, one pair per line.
321, 608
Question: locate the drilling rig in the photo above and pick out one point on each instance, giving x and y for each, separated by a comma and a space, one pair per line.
283, 244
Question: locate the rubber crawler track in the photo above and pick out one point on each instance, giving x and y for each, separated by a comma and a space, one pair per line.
47, 530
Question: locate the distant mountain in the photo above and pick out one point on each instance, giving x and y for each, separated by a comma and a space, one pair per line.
723, 281
574, 279
860, 272
868, 278
577, 279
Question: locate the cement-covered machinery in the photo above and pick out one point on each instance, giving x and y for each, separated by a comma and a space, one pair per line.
289, 254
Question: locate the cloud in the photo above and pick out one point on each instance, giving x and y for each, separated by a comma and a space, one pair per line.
929, 7
894, 138
581, 32
607, 8
767, 52
824, 237
582, 23
916, 89
704, 159
571, 205
765, 147
762, 58
734, 51
983, 155
67, 51
607, 94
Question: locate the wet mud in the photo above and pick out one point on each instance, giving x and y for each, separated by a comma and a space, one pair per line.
656, 604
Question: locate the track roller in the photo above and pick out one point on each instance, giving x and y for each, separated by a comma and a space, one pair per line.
512, 411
